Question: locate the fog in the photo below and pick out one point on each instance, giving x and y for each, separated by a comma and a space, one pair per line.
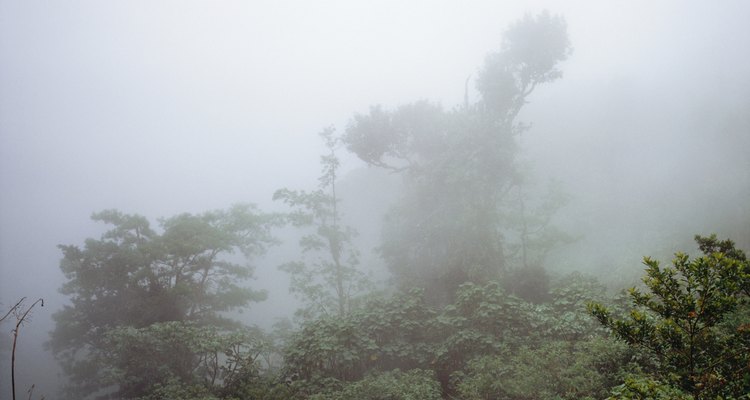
163, 107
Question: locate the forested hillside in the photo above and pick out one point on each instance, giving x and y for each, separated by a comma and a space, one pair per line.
466, 291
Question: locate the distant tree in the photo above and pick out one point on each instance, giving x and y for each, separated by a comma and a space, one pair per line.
695, 318
530, 236
328, 281
135, 279
460, 166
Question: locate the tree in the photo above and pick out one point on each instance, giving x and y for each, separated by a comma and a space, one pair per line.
694, 319
21, 316
135, 278
329, 283
459, 166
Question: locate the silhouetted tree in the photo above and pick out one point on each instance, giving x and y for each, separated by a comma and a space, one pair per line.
135, 278
459, 166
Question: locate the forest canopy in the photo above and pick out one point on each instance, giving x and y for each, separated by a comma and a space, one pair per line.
472, 308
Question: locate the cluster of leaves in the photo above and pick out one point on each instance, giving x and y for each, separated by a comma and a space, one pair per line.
384, 334
687, 337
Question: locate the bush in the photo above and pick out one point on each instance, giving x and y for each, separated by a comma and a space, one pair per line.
690, 320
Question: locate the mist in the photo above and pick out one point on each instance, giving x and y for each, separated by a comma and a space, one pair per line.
164, 107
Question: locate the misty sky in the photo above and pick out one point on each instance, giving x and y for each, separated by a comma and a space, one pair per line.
163, 107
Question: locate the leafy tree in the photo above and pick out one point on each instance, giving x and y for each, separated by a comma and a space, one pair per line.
133, 280
405, 333
483, 320
329, 283
688, 319
459, 165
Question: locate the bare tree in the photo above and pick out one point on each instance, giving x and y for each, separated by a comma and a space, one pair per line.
21, 316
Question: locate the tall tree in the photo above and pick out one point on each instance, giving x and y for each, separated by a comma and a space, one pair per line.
134, 277
459, 166
329, 279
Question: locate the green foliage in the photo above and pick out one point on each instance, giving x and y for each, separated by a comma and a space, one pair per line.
483, 320
134, 282
688, 319
329, 282
382, 335
459, 167
529, 340
414, 384
565, 317
554, 370
640, 387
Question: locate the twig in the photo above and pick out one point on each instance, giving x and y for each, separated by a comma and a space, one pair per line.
15, 338
13, 308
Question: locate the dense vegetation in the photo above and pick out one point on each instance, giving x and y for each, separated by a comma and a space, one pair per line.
472, 313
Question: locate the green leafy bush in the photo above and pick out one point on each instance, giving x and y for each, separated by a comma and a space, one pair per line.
415, 384
555, 370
